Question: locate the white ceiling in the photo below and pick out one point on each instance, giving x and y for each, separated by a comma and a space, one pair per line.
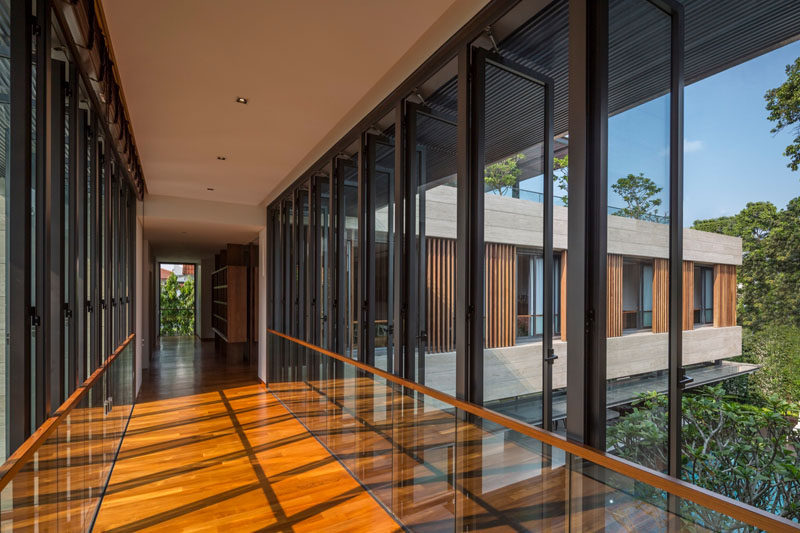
303, 65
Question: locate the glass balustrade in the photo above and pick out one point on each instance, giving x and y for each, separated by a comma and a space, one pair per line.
440, 465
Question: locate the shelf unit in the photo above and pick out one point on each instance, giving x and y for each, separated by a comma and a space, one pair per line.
228, 303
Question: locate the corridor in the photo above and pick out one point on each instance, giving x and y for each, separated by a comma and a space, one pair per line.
209, 449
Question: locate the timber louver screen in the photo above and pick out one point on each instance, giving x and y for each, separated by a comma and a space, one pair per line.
724, 296
614, 302
688, 295
501, 290
660, 295
441, 297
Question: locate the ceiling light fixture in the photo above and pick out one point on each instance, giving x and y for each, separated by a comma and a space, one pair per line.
221, 157
241, 100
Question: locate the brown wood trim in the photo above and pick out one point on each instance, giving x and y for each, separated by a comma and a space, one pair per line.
23, 454
614, 291
688, 295
724, 296
501, 293
563, 315
660, 295
682, 489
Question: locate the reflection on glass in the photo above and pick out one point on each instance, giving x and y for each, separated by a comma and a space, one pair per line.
381, 151
438, 468
5, 170
514, 156
638, 230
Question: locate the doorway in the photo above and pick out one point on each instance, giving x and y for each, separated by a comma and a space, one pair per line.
177, 299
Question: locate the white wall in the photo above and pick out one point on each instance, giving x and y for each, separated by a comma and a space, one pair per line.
262, 305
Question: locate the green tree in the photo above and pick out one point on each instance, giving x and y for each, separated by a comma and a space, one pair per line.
638, 192
561, 176
777, 349
769, 278
177, 306
783, 104
503, 175
744, 452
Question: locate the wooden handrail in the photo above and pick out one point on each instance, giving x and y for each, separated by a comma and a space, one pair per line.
23, 454
682, 489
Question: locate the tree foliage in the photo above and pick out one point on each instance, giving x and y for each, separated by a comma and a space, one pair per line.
639, 194
561, 176
783, 104
744, 452
503, 175
777, 349
177, 306
769, 278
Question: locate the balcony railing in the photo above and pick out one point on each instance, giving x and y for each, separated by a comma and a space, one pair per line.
536, 196
438, 463
56, 479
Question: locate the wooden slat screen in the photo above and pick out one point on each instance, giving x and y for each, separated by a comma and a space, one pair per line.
660, 295
614, 300
500, 294
688, 295
563, 315
441, 294
724, 296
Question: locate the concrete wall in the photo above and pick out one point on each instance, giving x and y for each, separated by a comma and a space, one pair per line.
517, 370
520, 222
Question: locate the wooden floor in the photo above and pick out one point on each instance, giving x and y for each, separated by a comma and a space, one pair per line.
208, 449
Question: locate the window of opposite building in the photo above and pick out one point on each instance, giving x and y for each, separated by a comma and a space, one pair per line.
703, 295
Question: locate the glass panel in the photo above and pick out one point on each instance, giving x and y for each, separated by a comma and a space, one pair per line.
638, 227
5, 172
350, 262
59, 488
438, 468
381, 168
514, 157
432, 319
324, 265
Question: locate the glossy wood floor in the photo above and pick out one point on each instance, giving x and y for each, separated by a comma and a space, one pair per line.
208, 449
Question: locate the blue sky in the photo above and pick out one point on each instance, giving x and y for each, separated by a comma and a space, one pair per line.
731, 157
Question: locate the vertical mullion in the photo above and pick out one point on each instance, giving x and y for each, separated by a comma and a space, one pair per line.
108, 195
412, 306
71, 268
547, 282
464, 317
587, 220
55, 249
477, 247
42, 218
399, 323
368, 251
19, 228
676, 242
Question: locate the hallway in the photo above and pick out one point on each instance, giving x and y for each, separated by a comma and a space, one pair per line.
209, 449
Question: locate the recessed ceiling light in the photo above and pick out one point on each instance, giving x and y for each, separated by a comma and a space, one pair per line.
221, 157
241, 100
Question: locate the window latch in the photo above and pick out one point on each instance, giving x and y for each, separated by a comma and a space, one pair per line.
36, 320
67, 311
684, 379
551, 356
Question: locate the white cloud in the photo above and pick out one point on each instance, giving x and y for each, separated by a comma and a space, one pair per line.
692, 146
